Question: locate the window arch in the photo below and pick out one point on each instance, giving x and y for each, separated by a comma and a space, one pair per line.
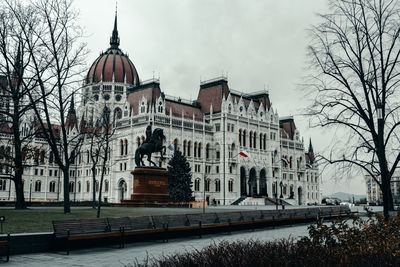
189, 144
184, 147
38, 186
71, 187
106, 185
88, 186
207, 151
251, 139
197, 185
199, 150
217, 152
217, 185
79, 187
254, 140
195, 149
52, 187
230, 185
244, 138
126, 146
240, 137
176, 147
3, 184
261, 137
207, 185
264, 142
121, 147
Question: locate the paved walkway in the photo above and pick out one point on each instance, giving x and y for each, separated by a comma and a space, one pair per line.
112, 256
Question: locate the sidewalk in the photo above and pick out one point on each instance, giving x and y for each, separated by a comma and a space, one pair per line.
113, 256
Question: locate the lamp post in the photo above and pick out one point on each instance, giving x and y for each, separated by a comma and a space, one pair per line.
281, 184
30, 192
204, 191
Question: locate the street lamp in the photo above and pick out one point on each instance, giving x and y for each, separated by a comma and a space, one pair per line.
281, 184
30, 192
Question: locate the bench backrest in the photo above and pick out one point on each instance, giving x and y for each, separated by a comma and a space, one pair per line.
179, 220
225, 217
82, 226
250, 215
117, 223
141, 223
206, 218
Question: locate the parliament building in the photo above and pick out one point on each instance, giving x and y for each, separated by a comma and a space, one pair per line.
240, 150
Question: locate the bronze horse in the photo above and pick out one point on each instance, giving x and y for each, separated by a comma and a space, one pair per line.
155, 144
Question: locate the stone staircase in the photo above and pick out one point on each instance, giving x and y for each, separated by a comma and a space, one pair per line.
251, 201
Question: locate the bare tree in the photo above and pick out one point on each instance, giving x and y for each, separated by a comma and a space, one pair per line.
100, 135
57, 58
354, 55
16, 119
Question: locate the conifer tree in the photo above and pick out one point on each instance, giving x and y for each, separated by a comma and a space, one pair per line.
180, 178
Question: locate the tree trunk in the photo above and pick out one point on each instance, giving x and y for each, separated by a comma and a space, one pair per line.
19, 192
94, 188
386, 196
67, 204
101, 188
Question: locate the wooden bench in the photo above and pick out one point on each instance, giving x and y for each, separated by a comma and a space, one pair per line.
83, 229
6, 243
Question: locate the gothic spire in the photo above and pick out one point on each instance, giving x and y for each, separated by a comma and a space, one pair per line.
71, 110
18, 62
114, 40
310, 148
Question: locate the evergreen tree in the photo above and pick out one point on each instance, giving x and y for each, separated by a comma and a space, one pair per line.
180, 178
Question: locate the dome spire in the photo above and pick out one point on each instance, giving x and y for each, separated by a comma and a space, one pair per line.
114, 40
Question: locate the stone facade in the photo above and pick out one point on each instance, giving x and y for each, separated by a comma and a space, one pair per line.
210, 131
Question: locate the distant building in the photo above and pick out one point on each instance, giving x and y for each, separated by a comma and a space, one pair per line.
210, 131
374, 192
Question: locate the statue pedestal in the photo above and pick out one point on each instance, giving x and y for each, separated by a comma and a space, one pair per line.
150, 187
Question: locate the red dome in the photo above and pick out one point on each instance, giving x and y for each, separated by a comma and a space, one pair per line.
112, 62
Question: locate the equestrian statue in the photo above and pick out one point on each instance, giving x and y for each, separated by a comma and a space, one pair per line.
152, 144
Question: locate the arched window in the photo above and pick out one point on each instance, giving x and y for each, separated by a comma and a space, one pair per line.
251, 139
254, 140
230, 186
207, 151
197, 185
117, 113
207, 186
97, 186
88, 186
240, 137
217, 185
199, 151
229, 108
38, 186
3, 184
244, 138
79, 187
291, 162
264, 142
42, 156
51, 157
261, 136
52, 187
184, 147
189, 144
176, 145
71, 187
217, 152
106, 185
87, 156
195, 149
126, 147
121, 147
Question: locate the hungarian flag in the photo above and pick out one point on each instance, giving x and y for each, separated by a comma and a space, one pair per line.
244, 154
286, 161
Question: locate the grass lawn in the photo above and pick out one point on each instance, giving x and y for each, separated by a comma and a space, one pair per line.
40, 219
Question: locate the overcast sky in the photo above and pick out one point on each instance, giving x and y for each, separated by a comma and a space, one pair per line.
258, 44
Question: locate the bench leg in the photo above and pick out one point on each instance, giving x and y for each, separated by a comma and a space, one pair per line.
8, 248
68, 245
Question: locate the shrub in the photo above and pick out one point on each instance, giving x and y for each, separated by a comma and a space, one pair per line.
354, 242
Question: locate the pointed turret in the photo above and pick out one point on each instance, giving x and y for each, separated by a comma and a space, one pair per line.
71, 121
114, 40
18, 63
310, 148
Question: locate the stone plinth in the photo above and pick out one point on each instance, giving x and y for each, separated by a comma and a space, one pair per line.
150, 187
